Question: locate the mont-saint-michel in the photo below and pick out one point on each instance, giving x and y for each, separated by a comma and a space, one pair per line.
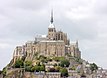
50, 56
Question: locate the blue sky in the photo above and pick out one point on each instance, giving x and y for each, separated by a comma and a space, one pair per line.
83, 20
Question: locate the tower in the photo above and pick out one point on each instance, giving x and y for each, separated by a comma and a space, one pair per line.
51, 29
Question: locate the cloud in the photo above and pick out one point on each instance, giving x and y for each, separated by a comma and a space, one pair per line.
84, 20
100, 7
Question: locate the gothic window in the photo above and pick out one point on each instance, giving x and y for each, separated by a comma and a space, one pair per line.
61, 37
16, 52
58, 36
52, 30
54, 39
55, 53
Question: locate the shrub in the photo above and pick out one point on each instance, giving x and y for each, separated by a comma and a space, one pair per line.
64, 63
64, 72
28, 68
93, 67
19, 63
28, 63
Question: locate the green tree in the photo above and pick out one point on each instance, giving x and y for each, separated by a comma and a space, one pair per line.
64, 72
19, 63
36, 54
42, 68
4, 72
93, 67
56, 59
37, 68
64, 63
78, 60
28, 68
28, 63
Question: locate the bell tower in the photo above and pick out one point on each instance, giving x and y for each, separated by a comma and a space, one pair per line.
51, 29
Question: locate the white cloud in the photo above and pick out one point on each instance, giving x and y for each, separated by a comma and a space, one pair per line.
81, 19
4, 45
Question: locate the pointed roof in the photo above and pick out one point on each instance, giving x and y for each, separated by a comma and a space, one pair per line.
51, 21
51, 16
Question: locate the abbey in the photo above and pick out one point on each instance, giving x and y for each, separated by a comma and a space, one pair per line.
55, 43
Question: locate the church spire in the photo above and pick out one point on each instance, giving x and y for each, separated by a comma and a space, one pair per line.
51, 16
51, 20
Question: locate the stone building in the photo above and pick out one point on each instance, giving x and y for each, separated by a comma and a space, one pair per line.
52, 48
42, 75
73, 49
55, 43
18, 53
56, 35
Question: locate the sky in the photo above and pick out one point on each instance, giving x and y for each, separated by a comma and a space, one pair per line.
82, 20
